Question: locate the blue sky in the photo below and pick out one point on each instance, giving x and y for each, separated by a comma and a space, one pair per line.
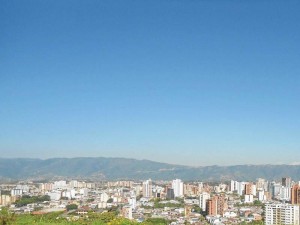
188, 82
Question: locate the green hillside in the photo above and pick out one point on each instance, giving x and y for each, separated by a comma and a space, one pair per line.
121, 168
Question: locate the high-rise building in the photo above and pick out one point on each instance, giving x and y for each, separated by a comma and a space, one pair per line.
285, 193
211, 206
250, 189
190, 189
202, 200
262, 184
295, 194
62, 184
147, 188
46, 187
261, 195
222, 205
241, 187
217, 205
275, 190
170, 193
6, 200
177, 185
286, 182
248, 199
16, 192
200, 187
104, 197
281, 214
132, 202
232, 186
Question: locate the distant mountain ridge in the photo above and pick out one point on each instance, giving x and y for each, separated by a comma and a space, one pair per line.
100, 168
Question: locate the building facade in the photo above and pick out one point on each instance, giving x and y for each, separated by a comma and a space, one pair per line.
203, 199
147, 188
276, 214
295, 194
177, 186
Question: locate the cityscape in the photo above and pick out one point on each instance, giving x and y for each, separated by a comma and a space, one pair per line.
149, 112
157, 202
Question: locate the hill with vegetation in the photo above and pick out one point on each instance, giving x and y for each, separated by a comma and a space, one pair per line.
121, 168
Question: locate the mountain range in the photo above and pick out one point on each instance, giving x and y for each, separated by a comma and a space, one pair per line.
101, 168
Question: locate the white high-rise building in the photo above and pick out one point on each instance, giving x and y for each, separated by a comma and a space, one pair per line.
147, 189
282, 214
261, 184
104, 197
261, 195
202, 200
73, 184
24, 188
84, 192
241, 187
254, 190
200, 187
285, 193
62, 184
276, 188
16, 192
232, 185
132, 202
177, 186
248, 199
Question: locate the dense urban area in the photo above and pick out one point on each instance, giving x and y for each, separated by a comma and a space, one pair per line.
150, 202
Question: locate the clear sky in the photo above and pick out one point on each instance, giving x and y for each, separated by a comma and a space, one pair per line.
194, 82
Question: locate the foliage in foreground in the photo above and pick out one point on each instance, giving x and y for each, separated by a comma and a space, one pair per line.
107, 218
7, 217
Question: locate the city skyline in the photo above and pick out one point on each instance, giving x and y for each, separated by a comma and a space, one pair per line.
192, 83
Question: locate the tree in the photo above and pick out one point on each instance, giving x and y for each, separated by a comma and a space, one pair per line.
257, 203
26, 199
108, 216
72, 207
197, 209
121, 221
6, 217
157, 221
